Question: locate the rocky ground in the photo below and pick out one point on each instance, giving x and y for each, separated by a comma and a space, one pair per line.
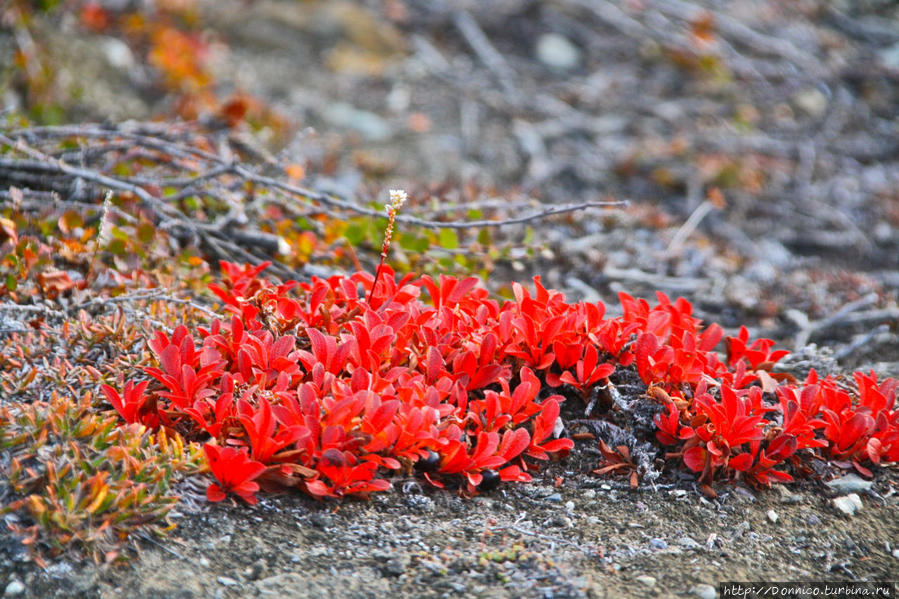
788, 109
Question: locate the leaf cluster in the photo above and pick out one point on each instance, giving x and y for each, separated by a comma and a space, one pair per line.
325, 386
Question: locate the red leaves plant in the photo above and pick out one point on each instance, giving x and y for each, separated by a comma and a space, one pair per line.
235, 473
311, 386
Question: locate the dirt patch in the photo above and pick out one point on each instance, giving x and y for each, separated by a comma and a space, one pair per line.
585, 537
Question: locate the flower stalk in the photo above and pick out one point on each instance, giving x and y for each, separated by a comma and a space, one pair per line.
398, 197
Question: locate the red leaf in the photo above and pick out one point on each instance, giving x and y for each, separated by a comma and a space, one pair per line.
695, 458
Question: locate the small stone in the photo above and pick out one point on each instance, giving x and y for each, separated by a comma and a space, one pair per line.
321, 519
896, 553
204, 562
812, 101
256, 571
688, 543
555, 498
704, 591
227, 581
791, 499
658, 544
118, 54
744, 493
14, 588
851, 483
646, 580
569, 506
889, 56
772, 516
370, 125
813, 520
560, 521
849, 504
557, 52
589, 494
397, 565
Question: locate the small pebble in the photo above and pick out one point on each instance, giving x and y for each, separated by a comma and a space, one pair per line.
372, 126
320, 519
688, 543
589, 494
647, 581
812, 101
557, 52
204, 562
397, 565
851, 483
561, 521
813, 520
744, 493
555, 498
772, 516
705, 591
849, 504
896, 553
569, 506
228, 582
658, 544
14, 588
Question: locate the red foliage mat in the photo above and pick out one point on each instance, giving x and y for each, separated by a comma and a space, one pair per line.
323, 385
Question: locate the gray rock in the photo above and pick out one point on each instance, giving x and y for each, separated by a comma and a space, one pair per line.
889, 56
589, 494
646, 580
896, 553
321, 519
688, 543
370, 125
772, 516
227, 581
849, 504
812, 101
555, 498
397, 565
851, 483
658, 544
557, 52
289, 584
704, 591
14, 588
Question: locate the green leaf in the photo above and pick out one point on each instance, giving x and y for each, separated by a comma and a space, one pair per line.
449, 239
528, 235
413, 243
356, 232
116, 246
11, 283
146, 232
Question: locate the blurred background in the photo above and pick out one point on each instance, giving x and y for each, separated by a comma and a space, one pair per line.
756, 141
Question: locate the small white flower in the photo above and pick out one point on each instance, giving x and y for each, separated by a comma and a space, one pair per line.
398, 197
